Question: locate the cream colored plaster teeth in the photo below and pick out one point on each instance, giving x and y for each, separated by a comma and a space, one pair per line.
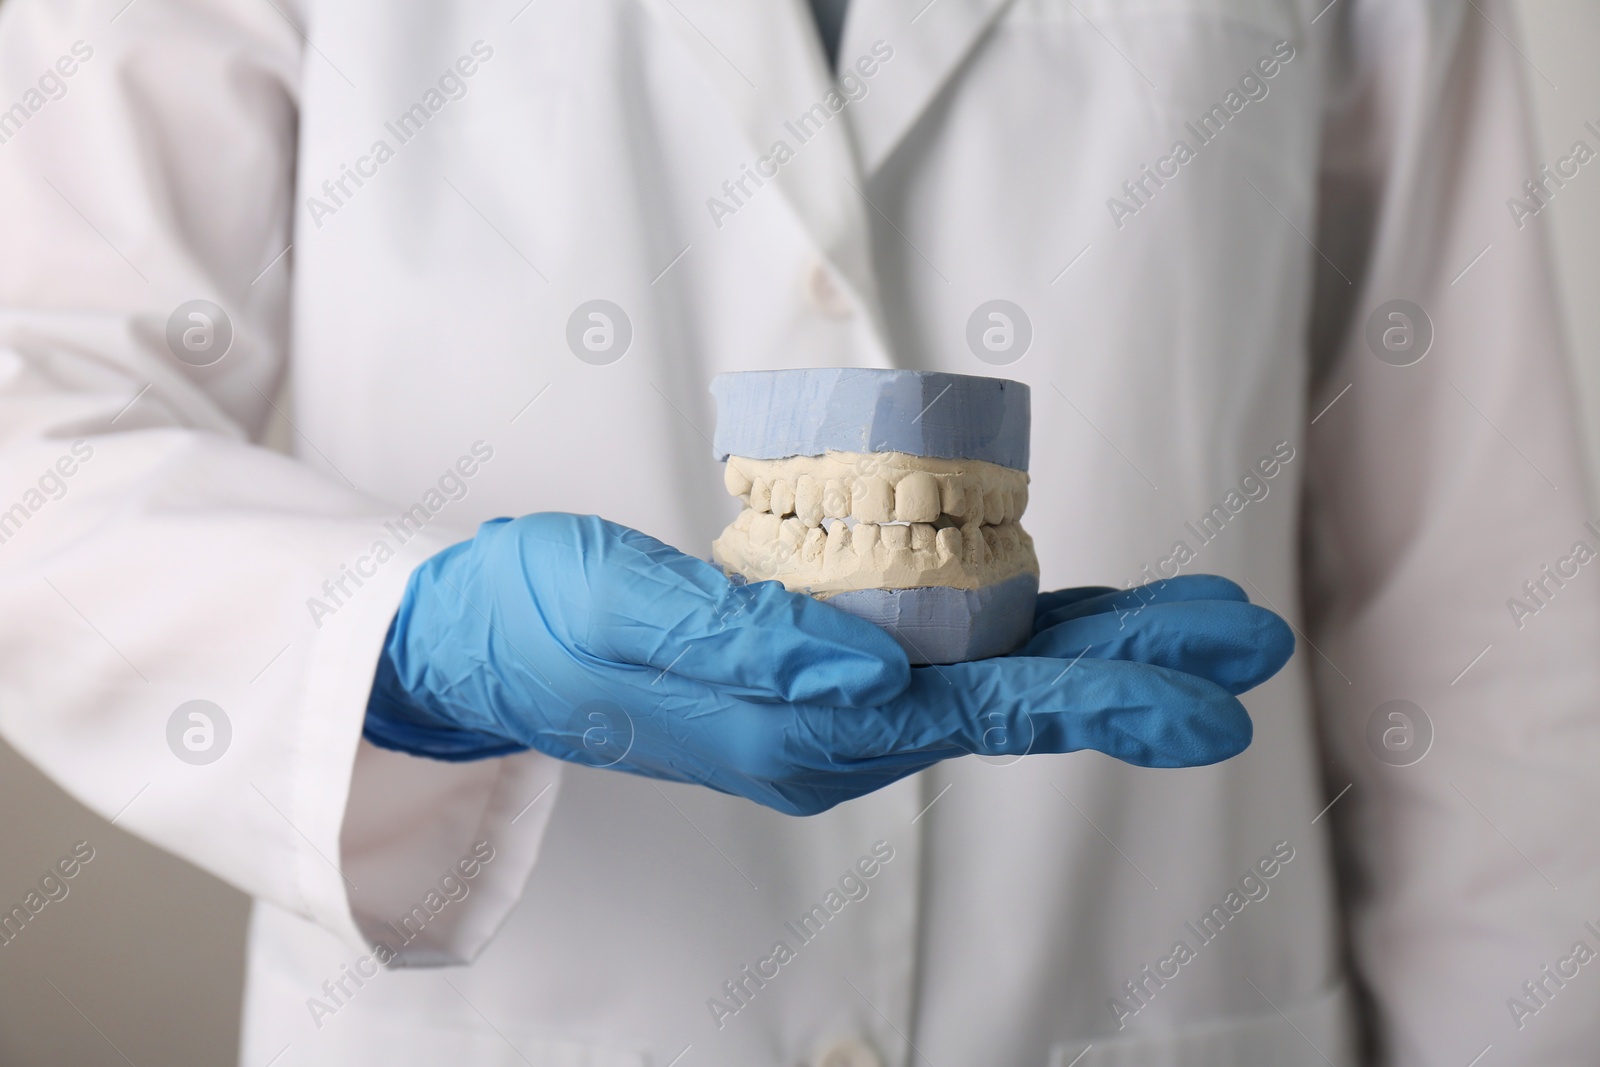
916, 498
898, 503
782, 496
953, 498
972, 542
951, 495
995, 503
893, 556
954, 477
836, 499
808, 500
838, 545
816, 541
971, 502
864, 538
959, 509
764, 527
872, 500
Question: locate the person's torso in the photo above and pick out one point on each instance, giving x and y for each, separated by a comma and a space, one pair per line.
685, 162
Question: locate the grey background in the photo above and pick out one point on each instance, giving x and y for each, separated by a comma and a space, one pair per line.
151, 950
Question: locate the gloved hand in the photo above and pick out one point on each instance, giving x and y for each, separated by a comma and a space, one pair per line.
598, 644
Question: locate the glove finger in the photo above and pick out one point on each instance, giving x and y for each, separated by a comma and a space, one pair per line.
1126, 603
1145, 715
629, 598
817, 793
1238, 646
1055, 599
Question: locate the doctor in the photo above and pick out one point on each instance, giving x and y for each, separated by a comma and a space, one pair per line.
1255, 259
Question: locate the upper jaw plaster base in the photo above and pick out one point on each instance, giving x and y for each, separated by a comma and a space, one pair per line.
921, 540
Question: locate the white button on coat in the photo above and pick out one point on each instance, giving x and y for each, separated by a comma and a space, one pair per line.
848, 1052
825, 293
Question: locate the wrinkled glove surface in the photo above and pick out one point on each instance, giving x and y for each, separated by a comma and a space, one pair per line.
598, 644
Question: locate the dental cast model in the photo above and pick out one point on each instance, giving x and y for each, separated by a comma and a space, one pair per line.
892, 495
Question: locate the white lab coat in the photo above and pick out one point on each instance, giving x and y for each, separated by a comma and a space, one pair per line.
1177, 340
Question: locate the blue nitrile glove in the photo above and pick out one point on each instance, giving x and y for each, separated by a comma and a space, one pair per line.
598, 644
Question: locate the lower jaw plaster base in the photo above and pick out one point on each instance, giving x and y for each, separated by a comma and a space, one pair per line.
938, 624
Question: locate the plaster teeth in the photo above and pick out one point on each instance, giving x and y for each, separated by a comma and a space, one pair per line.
864, 538
734, 477
873, 500
972, 543
1005, 540
916, 498
808, 500
977, 505
952, 496
967, 499
782, 495
840, 521
995, 503
764, 527
816, 540
838, 543
897, 547
991, 543
835, 499
981, 512
766, 546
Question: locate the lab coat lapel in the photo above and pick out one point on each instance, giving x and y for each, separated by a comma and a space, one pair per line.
931, 39
763, 60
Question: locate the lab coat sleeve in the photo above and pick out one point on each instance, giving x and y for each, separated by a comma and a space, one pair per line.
1435, 492
150, 553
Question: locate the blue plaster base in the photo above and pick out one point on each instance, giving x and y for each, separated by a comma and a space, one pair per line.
936, 624
777, 414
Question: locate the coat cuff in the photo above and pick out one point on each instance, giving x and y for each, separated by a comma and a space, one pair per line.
441, 851
390, 838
